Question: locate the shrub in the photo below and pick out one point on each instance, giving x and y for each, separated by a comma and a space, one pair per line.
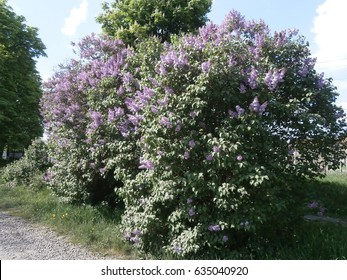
83, 107
29, 170
230, 105
197, 136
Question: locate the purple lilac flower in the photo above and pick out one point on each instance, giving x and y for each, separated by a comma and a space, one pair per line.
135, 119
102, 170
114, 114
281, 38
123, 129
186, 155
239, 158
242, 88
262, 108
209, 157
313, 205
268, 79
47, 176
137, 232
240, 111
153, 81
164, 101
216, 149
214, 228
273, 78
166, 122
320, 81
177, 249
303, 71
154, 109
232, 62
118, 112
225, 238
205, 66
132, 105
128, 78
254, 106
189, 200
192, 114
252, 78
169, 90
120, 91
110, 116
176, 59
146, 164
97, 119
178, 128
135, 239
191, 212
162, 70
192, 143
146, 94
232, 114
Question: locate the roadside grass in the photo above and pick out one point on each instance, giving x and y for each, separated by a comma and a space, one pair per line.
97, 227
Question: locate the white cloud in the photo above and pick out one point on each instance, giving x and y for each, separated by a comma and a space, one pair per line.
76, 17
329, 29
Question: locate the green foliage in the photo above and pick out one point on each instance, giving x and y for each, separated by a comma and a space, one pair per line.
133, 20
20, 119
30, 169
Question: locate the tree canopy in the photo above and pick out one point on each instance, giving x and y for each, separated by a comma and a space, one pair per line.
131, 20
20, 82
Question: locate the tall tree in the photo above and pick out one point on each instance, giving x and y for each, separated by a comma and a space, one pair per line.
20, 83
132, 20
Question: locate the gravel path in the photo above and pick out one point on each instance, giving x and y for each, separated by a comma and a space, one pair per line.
22, 240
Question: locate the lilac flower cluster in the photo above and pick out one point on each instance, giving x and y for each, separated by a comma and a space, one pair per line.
314, 205
256, 107
97, 120
172, 58
133, 236
274, 77
214, 228
252, 78
146, 164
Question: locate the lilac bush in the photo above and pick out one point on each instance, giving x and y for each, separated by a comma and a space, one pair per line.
237, 100
194, 135
88, 114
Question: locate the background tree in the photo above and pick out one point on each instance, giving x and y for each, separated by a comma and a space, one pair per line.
130, 20
20, 83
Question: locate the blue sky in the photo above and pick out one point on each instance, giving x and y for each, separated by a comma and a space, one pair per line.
322, 22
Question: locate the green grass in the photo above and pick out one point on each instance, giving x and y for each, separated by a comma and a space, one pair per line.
98, 227
331, 193
94, 227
